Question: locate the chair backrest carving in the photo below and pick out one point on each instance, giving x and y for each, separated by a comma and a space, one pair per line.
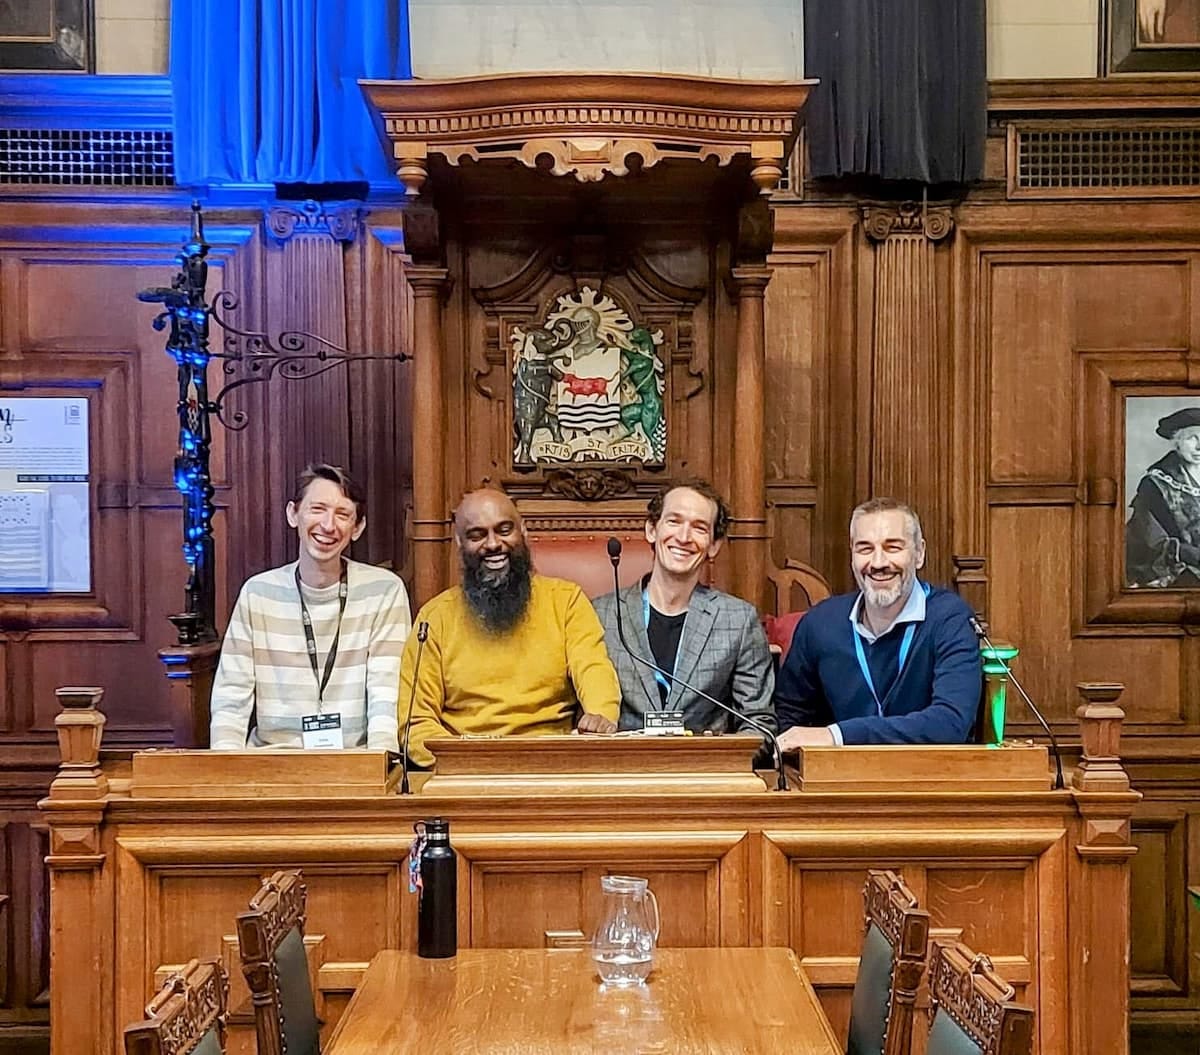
797, 586
271, 941
893, 959
186, 1016
966, 992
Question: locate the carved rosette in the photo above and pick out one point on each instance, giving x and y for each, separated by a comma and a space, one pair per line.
340, 220
881, 222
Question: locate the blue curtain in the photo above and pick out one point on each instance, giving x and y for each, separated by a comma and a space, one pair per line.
266, 90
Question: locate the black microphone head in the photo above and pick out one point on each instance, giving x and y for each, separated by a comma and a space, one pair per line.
422, 630
614, 548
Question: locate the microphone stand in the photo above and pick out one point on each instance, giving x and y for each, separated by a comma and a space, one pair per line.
614, 555
1059, 783
422, 634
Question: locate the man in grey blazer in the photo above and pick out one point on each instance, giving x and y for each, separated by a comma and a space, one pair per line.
710, 639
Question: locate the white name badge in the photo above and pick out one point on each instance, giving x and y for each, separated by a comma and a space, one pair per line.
664, 723
321, 730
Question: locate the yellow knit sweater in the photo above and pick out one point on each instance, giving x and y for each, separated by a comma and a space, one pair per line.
533, 680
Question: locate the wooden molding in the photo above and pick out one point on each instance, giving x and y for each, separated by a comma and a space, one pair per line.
590, 125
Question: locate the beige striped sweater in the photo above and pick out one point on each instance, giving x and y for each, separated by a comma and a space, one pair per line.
265, 669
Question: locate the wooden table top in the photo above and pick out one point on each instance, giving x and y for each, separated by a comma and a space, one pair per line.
548, 1000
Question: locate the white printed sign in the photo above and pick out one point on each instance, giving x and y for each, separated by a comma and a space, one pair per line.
45, 525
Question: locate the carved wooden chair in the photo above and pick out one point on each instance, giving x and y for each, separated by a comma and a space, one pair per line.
894, 951
970, 1008
797, 587
186, 1016
271, 942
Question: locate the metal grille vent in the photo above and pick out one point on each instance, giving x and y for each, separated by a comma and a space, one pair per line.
86, 157
1074, 160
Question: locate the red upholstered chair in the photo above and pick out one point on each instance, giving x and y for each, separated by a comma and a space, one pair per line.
584, 559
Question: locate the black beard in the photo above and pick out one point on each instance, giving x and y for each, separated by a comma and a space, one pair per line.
498, 603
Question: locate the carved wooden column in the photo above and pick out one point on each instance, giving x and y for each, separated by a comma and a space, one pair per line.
748, 531
81, 1003
431, 513
307, 292
1098, 921
910, 405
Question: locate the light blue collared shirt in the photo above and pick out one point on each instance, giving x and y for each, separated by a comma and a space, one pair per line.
912, 612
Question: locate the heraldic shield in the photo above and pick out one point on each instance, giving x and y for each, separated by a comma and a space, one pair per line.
588, 386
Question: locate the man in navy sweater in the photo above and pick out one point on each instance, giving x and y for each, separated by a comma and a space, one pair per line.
895, 663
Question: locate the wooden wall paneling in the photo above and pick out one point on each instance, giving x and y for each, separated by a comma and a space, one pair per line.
1006, 889
811, 417
1030, 343
355, 908
520, 885
1158, 890
305, 292
386, 446
8, 939
970, 305
794, 398
910, 383
380, 442
1030, 602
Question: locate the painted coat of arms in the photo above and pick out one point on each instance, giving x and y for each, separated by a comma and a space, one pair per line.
588, 385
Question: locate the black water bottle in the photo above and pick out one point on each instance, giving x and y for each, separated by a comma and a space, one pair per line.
437, 909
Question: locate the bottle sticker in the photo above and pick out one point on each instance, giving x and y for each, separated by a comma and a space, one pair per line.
414, 863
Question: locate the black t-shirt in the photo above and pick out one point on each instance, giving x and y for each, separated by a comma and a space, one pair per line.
664, 632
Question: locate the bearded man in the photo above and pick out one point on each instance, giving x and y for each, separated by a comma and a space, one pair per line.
508, 652
897, 662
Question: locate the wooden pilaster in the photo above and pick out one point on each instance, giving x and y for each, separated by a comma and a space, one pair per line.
748, 531
431, 514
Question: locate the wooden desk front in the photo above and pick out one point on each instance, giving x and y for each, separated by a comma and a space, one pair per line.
144, 878
550, 1001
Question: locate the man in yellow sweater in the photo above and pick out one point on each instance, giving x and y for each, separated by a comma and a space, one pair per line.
508, 652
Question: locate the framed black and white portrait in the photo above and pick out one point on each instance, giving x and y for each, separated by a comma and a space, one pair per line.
47, 35
1162, 492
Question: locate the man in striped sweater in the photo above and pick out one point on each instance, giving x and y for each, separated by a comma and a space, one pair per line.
311, 657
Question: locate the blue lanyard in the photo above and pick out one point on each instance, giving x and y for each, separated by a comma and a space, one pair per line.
905, 646
658, 675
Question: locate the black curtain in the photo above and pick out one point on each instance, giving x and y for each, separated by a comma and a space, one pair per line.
903, 89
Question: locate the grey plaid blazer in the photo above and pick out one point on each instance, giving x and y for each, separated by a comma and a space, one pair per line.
722, 651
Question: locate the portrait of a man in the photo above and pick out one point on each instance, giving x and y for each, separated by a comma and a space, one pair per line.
1162, 487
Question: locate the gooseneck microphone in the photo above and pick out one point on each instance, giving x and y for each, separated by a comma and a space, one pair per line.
980, 633
422, 635
614, 555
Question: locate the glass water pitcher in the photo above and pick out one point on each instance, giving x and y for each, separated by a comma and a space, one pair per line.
623, 945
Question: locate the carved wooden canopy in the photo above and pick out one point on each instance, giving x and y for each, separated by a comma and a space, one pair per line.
590, 124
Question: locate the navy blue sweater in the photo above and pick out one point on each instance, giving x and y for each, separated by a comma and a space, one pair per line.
934, 702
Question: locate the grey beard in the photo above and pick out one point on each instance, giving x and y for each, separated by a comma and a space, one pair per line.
878, 598
498, 604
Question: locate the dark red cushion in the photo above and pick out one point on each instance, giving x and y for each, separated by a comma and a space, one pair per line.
780, 629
